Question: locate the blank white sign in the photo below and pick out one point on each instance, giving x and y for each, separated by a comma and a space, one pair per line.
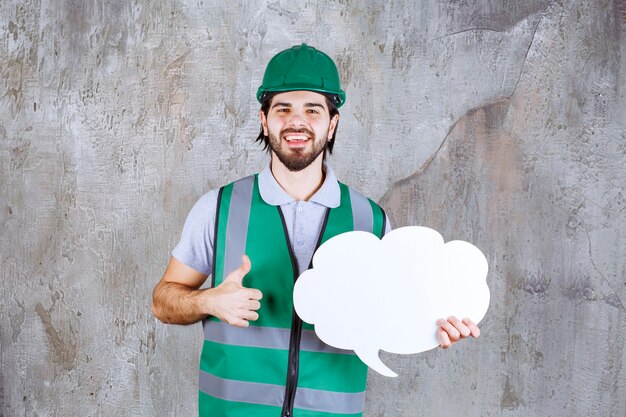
368, 294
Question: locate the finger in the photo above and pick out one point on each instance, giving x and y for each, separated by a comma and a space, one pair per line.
474, 330
237, 275
462, 328
254, 294
444, 340
245, 264
238, 322
451, 331
251, 315
253, 305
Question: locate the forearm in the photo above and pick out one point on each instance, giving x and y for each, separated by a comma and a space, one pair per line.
177, 299
175, 303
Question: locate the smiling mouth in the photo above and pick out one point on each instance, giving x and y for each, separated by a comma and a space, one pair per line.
296, 138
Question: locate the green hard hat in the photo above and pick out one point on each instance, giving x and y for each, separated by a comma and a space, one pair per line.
301, 68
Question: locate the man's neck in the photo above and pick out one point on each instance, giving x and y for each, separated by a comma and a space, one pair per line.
301, 185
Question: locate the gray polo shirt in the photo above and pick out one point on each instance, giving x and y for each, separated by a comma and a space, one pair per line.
303, 219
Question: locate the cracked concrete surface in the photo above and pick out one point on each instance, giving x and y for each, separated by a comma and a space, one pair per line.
542, 193
497, 122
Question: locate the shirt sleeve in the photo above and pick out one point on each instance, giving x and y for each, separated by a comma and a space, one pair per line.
195, 248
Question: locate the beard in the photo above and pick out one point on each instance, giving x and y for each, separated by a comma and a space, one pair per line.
297, 159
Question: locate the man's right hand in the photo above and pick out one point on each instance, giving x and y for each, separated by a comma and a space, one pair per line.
233, 303
178, 299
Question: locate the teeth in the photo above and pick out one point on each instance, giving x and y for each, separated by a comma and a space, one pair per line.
296, 138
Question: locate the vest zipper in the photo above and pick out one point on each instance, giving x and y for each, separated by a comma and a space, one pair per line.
296, 325
293, 365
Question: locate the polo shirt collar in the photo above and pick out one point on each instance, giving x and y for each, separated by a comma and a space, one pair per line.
272, 193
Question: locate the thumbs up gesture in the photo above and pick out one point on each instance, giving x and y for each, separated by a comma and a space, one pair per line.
233, 303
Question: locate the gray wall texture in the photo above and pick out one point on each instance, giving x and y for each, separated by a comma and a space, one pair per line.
499, 122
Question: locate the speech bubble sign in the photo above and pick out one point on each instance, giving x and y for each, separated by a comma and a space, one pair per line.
368, 294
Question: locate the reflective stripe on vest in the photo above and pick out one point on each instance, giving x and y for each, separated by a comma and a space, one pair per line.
236, 231
362, 212
265, 337
273, 395
243, 370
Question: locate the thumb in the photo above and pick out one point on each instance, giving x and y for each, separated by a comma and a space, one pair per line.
237, 275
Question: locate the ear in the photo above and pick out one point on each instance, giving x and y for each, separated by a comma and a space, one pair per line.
263, 122
332, 126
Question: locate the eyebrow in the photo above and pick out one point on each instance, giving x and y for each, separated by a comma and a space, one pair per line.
308, 105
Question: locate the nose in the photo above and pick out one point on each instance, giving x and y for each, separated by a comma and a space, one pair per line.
297, 121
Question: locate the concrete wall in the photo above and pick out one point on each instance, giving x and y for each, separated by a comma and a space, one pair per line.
497, 122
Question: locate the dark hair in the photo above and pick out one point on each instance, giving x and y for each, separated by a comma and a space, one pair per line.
331, 103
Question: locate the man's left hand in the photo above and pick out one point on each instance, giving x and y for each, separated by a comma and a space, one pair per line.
452, 330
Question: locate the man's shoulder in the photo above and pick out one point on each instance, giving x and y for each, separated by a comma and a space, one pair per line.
247, 179
207, 202
357, 193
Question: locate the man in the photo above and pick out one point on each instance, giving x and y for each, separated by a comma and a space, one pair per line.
258, 358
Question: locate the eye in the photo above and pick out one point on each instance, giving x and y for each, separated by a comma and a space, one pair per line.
313, 111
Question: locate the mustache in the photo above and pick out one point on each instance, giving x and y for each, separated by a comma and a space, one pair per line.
292, 130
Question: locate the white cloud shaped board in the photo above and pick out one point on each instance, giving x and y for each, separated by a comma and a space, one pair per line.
368, 294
